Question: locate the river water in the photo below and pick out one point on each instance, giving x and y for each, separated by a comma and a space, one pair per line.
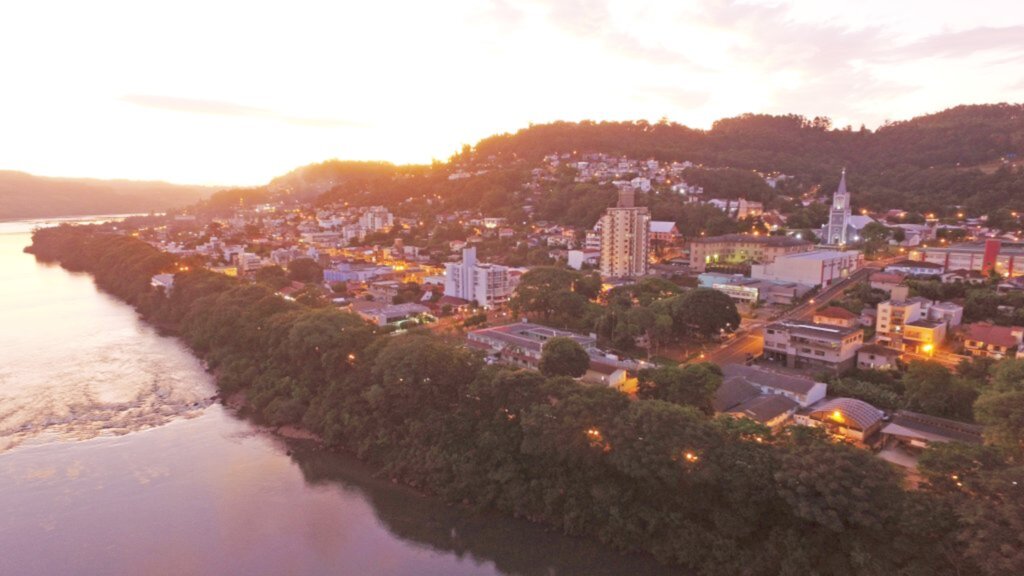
114, 460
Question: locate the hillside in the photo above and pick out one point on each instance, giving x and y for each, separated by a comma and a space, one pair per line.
26, 196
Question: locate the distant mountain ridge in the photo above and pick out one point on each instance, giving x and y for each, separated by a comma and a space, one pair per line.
24, 195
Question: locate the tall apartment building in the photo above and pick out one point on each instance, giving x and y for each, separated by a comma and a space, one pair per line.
625, 238
486, 284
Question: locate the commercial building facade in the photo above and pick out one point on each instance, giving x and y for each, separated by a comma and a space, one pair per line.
742, 248
815, 268
798, 344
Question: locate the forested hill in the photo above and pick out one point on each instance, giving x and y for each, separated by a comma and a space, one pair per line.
26, 196
793, 144
968, 155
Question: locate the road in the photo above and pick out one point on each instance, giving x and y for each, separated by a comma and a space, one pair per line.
750, 340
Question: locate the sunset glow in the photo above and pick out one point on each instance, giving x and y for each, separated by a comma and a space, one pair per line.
240, 92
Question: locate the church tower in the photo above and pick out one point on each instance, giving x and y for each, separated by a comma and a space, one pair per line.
839, 215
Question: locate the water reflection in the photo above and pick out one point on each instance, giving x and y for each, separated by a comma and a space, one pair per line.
116, 465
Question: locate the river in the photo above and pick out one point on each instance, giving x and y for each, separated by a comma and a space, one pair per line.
114, 460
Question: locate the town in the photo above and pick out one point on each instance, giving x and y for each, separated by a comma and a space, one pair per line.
843, 327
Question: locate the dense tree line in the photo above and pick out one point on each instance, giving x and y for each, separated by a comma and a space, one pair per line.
657, 474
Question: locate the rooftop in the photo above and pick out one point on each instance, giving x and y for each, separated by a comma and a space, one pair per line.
836, 312
992, 334
861, 413
757, 376
765, 408
817, 255
932, 428
812, 329
779, 241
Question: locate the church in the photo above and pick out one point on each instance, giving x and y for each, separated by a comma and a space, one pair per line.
843, 227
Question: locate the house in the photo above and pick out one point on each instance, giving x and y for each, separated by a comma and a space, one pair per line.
886, 280
740, 399
875, 357
836, 316
917, 431
991, 341
164, 282
804, 391
974, 277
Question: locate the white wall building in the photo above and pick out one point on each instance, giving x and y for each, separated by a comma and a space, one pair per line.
815, 268
486, 284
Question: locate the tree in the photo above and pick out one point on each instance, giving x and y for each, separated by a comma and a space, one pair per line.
305, 270
692, 385
563, 356
955, 466
273, 276
703, 312
1002, 414
930, 388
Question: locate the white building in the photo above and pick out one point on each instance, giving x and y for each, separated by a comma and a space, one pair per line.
376, 218
815, 268
486, 284
625, 239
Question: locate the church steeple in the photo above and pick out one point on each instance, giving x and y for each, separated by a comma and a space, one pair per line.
839, 215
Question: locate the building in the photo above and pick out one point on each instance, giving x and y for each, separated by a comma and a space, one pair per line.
384, 290
948, 313
664, 233
837, 230
739, 399
815, 268
875, 357
164, 282
991, 341
747, 291
836, 316
846, 418
798, 344
625, 238
734, 249
916, 431
376, 218
991, 255
916, 268
577, 259
383, 314
522, 344
886, 281
799, 389
488, 285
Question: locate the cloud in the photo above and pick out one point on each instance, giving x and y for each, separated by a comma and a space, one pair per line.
221, 108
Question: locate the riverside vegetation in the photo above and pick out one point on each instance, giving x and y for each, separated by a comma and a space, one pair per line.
657, 474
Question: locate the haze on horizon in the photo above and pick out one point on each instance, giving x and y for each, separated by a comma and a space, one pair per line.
233, 92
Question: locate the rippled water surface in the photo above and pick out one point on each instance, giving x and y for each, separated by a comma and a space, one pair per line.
114, 461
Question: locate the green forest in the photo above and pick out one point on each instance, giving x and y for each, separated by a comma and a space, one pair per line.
659, 474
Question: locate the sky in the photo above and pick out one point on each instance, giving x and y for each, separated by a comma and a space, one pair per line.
238, 92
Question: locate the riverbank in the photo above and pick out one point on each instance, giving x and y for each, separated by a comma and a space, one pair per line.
585, 461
